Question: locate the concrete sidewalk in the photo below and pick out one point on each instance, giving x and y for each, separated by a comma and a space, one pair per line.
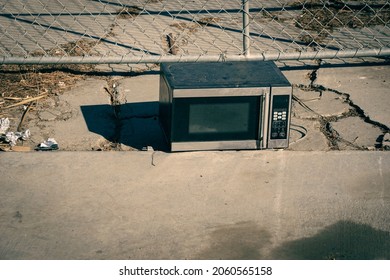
200, 205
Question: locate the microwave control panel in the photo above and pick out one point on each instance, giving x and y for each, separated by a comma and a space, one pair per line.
279, 124
279, 119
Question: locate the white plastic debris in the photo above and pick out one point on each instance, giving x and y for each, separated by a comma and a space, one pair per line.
4, 125
148, 148
25, 135
13, 137
48, 145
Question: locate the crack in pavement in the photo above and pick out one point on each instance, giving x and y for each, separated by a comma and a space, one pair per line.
121, 115
115, 100
326, 128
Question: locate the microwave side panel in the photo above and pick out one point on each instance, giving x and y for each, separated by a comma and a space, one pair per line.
165, 108
279, 117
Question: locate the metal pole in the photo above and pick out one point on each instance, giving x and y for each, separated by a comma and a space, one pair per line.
309, 55
245, 28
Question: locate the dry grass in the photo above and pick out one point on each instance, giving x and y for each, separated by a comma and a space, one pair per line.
20, 84
23, 88
319, 17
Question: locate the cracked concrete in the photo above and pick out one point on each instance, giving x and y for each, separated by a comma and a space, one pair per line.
306, 135
322, 103
95, 115
343, 119
65, 117
368, 88
137, 121
350, 129
329, 111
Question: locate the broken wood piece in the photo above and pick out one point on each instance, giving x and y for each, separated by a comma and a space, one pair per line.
21, 149
24, 116
12, 98
173, 48
25, 101
5, 148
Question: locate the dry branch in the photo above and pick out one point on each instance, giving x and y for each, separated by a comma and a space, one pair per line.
25, 101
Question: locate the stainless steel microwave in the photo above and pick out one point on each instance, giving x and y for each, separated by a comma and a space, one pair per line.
224, 105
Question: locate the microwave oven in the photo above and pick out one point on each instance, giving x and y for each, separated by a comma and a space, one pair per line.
224, 105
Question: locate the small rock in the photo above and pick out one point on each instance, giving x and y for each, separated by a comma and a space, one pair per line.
148, 148
47, 116
386, 142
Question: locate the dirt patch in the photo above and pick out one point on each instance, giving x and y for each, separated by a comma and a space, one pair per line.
266, 16
129, 12
329, 18
184, 26
194, 25
208, 20
27, 85
20, 83
24, 90
83, 47
324, 18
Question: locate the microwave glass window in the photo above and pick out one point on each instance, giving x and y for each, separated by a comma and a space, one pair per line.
218, 118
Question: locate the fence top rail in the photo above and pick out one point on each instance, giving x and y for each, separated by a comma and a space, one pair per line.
198, 58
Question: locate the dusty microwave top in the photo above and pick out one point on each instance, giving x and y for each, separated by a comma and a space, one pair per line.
240, 74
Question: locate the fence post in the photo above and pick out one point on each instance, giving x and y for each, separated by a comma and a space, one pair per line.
245, 28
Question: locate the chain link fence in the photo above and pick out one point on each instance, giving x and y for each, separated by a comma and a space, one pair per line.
153, 31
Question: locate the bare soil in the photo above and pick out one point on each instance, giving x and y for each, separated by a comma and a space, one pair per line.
318, 16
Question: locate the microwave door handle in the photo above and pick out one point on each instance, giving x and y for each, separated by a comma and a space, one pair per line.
263, 122
261, 113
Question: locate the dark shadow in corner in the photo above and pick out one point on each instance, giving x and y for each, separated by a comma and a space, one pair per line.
241, 241
135, 125
100, 119
344, 240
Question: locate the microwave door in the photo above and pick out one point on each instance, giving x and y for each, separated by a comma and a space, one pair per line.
220, 122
